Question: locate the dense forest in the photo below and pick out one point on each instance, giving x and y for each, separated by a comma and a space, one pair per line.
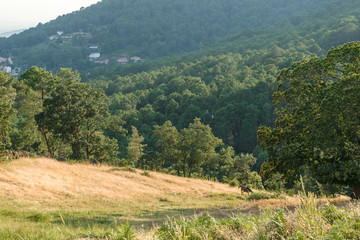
138, 28
194, 114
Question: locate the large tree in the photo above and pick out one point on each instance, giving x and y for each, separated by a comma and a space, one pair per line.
168, 139
34, 86
39, 80
318, 120
197, 146
77, 114
7, 97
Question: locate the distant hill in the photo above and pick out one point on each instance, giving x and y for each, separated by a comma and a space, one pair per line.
335, 23
235, 77
146, 29
8, 34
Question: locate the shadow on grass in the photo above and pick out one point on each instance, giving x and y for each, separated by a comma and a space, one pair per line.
146, 220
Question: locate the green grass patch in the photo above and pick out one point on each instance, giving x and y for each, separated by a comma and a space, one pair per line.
306, 221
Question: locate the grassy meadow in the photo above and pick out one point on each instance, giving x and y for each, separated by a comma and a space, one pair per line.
45, 199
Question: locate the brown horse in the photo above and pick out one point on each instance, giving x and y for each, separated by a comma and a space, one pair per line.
245, 189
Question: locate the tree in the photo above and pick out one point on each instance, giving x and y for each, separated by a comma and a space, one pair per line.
7, 97
197, 146
318, 120
135, 147
39, 80
238, 169
33, 87
77, 114
168, 139
25, 134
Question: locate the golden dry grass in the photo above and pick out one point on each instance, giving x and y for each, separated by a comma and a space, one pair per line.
50, 181
98, 197
47, 183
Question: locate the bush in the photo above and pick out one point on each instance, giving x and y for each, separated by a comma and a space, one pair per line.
146, 173
234, 183
275, 183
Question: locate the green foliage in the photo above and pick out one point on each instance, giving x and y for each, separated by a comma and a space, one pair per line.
135, 147
194, 147
198, 228
229, 85
145, 173
238, 169
167, 140
261, 157
125, 233
35, 85
197, 146
81, 115
147, 29
7, 97
307, 221
234, 182
40, 80
317, 124
275, 183
234, 100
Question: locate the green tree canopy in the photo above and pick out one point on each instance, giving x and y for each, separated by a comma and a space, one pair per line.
39, 80
77, 114
318, 119
168, 139
197, 146
7, 97
135, 147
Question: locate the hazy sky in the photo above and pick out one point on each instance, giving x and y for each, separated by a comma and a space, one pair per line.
20, 14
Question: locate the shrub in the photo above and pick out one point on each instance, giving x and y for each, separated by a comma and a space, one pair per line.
234, 183
146, 173
275, 183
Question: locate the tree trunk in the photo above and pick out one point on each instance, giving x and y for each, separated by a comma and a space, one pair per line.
76, 150
50, 150
355, 192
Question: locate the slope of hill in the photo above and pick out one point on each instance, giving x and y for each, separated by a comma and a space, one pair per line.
46, 199
146, 29
235, 88
51, 181
10, 33
334, 24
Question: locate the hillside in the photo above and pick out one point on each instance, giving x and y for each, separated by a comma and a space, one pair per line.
45, 199
119, 30
316, 32
235, 77
50, 181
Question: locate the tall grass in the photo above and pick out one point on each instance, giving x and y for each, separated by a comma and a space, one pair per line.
45, 199
306, 221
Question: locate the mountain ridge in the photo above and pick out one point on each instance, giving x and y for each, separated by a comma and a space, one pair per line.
138, 28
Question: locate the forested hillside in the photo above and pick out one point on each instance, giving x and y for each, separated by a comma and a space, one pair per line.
195, 114
124, 28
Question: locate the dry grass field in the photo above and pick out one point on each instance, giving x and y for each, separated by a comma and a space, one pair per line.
59, 195
55, 183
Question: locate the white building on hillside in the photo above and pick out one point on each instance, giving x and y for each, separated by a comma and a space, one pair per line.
93, 56
122, 60
7, 69
136, 59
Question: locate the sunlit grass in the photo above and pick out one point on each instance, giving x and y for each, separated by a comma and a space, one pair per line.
46, 199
